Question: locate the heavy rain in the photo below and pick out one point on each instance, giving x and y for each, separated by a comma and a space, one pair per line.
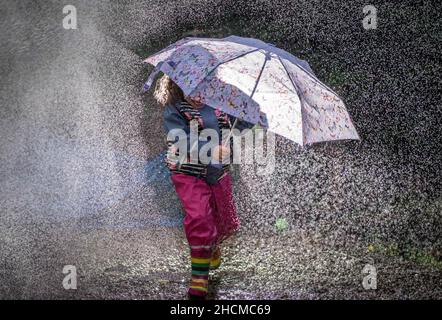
83, 181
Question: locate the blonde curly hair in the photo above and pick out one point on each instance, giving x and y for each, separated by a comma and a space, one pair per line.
167, 91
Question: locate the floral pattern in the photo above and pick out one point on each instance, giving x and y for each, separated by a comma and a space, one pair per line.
258, 84
325, 116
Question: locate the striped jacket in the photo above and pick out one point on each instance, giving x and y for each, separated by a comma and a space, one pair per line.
179, 116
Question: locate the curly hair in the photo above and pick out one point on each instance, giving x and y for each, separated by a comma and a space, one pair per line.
167, 91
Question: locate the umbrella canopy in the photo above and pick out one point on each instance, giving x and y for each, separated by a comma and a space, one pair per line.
257, 82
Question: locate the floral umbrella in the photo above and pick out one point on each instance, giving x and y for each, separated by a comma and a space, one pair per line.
256, 82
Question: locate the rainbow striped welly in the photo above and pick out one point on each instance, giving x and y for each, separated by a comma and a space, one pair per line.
200, 275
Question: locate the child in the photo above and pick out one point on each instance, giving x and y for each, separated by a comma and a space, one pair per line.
205, 190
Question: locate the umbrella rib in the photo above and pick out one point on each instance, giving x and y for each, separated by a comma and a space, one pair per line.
259, 76
222, 62
297, 91
250, 97
291, 80
317, 80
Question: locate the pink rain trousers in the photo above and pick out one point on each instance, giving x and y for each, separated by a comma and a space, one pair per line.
210, 214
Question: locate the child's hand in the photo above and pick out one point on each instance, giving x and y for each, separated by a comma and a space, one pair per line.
220, 153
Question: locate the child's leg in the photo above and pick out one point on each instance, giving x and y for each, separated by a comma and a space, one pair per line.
199, 226
215, 262
226, 219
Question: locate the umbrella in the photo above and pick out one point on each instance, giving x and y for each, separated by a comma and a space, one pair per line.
257, 82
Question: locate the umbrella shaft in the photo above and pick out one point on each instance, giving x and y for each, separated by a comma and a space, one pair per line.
267, 57
225, 143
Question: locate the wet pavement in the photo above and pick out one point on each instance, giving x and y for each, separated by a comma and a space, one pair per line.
82, 179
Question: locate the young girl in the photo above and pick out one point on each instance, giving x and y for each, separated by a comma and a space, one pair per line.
205, 190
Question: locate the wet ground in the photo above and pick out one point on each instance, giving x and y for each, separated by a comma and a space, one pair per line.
82, 181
